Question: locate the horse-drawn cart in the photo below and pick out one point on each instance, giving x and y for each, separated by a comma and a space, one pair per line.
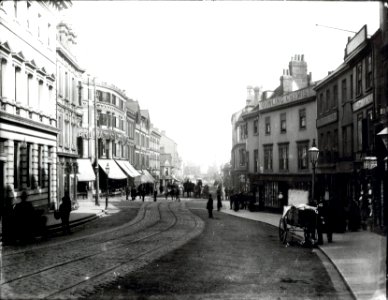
300, 218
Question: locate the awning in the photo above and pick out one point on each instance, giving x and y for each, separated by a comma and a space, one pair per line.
85, 170
114, 169
145, 177
127, 168
149, 176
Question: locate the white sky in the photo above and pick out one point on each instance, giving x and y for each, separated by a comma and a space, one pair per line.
189, 63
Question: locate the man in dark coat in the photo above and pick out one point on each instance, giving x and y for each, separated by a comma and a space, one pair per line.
209, 206
325, 221
65, 209
24, 214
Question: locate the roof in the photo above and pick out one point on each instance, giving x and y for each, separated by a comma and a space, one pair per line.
145, 113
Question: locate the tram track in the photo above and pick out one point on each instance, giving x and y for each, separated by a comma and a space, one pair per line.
114, 253
138, 219
26, 255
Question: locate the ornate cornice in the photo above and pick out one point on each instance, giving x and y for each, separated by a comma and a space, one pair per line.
6, 117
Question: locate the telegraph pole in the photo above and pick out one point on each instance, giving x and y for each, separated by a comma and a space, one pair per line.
96, 143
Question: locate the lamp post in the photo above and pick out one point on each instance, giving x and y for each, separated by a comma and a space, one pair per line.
107, 185
97, 201
313, 155
383, 134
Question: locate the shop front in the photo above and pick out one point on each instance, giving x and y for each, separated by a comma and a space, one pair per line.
85, 179
112, 179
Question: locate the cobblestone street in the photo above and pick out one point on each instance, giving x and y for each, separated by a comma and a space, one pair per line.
76, 266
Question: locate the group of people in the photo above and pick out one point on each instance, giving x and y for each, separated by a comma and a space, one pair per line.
22, 222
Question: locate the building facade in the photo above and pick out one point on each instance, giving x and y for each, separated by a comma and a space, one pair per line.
28, 119
347, 128
69, 111
155, 155
170, 162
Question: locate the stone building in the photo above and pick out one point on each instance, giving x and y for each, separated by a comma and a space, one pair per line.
28, 119
155, 154
286, 131
239, 154
112, 139
348, 107
170, 162
69, 111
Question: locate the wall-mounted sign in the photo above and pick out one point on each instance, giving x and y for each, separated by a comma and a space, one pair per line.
356, 41
292, 97
333, 117
363, 102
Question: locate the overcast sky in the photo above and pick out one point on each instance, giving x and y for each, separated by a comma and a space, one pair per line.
189, 63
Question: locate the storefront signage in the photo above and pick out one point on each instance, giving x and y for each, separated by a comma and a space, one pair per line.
333, 117
356, 41
294, 96
363, 102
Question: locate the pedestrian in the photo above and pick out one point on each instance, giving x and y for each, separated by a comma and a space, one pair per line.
133, 193
209, 206
219, 203
127, 192
325, 212
143, 193
320, 221
64, 210
24, 219
155, 195
177, 194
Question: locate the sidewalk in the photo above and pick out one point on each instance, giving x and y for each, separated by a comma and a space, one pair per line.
358, 256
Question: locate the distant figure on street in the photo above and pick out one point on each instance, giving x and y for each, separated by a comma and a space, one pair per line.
127, 192
65, 209
325, 221
209, 206
219, 203
155, 195
133, 193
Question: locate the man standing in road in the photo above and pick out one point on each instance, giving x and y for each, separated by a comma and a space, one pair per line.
209, 206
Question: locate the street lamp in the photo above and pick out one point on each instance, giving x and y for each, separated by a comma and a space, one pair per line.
107, 169
313, 155
383, 134
280, 197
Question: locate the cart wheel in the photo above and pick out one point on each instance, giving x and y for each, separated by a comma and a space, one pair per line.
283, 230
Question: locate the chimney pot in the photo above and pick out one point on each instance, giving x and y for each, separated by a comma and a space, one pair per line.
302, 57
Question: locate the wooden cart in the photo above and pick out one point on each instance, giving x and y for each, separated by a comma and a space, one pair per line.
302, 218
